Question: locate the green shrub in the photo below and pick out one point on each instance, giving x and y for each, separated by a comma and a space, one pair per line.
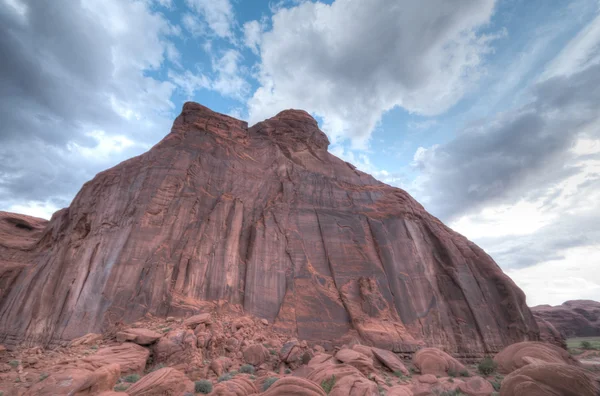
272, 351
495, 385
247, 369
464, 373
120, 387
328, 384
43, 376
268, 382
288, 371
487, 366
132, 378
14, 363
225, 377
455, 392
203, 386
586, 345
452, 373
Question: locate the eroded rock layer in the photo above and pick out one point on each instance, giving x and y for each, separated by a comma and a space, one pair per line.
576, 318
266, 218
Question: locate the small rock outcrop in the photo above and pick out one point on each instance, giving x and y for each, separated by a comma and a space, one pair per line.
166, 381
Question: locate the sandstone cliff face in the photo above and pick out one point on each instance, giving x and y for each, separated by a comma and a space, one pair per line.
577, 318
266, 218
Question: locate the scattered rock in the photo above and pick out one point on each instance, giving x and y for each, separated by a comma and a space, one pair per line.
165, 381
220, 365
265, 322
428, 379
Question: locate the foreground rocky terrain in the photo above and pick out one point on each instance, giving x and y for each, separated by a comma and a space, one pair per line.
225, 352
577, 318
265, 219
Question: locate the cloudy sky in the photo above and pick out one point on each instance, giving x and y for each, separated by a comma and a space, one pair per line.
486, 111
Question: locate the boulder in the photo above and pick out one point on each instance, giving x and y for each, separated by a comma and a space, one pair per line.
220, 365
476, 386
515, 356
176, 346
130, 357
165, 381
256, 354
390, 360
294, 386
139, 336
193, 321
354, 386
363, 363
549, 379
237, 386
436, 362
78, 381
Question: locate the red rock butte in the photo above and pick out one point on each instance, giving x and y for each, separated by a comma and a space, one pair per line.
263, 217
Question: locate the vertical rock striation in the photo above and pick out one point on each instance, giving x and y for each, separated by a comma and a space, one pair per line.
266, 218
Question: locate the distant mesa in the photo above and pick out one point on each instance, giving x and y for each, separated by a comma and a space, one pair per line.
263, 218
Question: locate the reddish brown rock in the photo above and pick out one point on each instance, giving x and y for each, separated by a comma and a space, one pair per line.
139, 336
549, 379
131, 358
88, 339
237, 386
476, 386
256, 354
78, 381
390, 360
356, 359
203, 318
436, 362
166, 381
294, 386
266, 218
177, 346
549, 333
577, 318
521, 354
399, 390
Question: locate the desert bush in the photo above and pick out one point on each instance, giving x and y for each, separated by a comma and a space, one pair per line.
586, 345
268, 382
328, 384
247, 369
203, 386
487, 366
226, 377
132, 378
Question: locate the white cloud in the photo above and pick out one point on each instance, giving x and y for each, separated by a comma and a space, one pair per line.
576, 276
252, 35
581, 52
351, 61
193, 24
81, 95
218, 15
229, 80
189, 82
43, 210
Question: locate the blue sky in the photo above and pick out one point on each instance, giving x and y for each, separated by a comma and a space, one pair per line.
484, 110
